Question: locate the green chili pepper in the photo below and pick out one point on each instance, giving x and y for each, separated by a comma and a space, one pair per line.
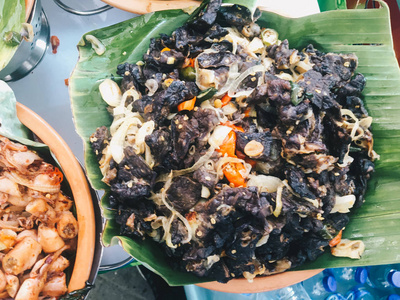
206, 94
188, 73
295, 92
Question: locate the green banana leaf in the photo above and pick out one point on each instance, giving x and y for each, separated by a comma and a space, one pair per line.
363, 32
325, 5
12, 15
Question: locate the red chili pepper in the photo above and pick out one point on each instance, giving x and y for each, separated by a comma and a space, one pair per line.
225, 99
336, 240
233, 126
232, 172
229, 145
243, 156
55, 42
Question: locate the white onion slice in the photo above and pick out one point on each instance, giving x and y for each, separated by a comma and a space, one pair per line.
232, 91
218, 136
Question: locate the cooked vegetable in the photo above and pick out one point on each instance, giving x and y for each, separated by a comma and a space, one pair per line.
257, 175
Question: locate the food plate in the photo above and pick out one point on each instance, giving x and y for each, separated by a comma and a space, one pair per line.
81, 195
290, 8
363, 32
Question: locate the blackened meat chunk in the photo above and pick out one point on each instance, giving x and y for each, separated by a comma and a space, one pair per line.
178, 232
99, 141
279, 91
316, 85
185, 36
270, 146
184, 131
338, 67
298, 183
259, 95
291, 114
216, 60
234, 15
266, 116
356, 105
207, 119
170, 59
132, 76
159, 143
179, 91
132, 220
152, 107
336, 138
353, 88
222, 46
206, 17
281, 54
135, 178
184, 193
216, 32
205, 177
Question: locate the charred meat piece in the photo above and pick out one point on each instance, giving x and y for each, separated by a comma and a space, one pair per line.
259, 95
152, 108
135, 179
216, 32
184, 193
234, 15
356, 105
132, 220
336, 138
179, 91
206, 121
159, 143
99, 141
281, 54
315, 85
290, 114
352, 88
205, 177
132, 76
184, 131
266, 116
263, 146
279, 91
297, 181
216, 60
206, 18
338, 67
185, 36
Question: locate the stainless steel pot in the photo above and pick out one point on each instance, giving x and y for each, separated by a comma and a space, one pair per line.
29, 54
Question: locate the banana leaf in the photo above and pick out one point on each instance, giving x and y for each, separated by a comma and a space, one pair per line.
12, 15
363, 32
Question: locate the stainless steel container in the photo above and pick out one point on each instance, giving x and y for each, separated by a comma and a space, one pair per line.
29, 54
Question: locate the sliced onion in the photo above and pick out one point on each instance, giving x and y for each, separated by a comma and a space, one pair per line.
232, 91
265, 183
343, 204
232, 75
118, 140
110, 92
152, 85
218, 136
229, 109
146, 129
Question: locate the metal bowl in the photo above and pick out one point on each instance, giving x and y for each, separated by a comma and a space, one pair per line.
29, 54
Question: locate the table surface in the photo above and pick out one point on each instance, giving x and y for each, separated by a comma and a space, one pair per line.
44, 90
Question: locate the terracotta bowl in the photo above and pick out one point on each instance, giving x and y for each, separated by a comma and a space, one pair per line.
261, 284
81, 195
